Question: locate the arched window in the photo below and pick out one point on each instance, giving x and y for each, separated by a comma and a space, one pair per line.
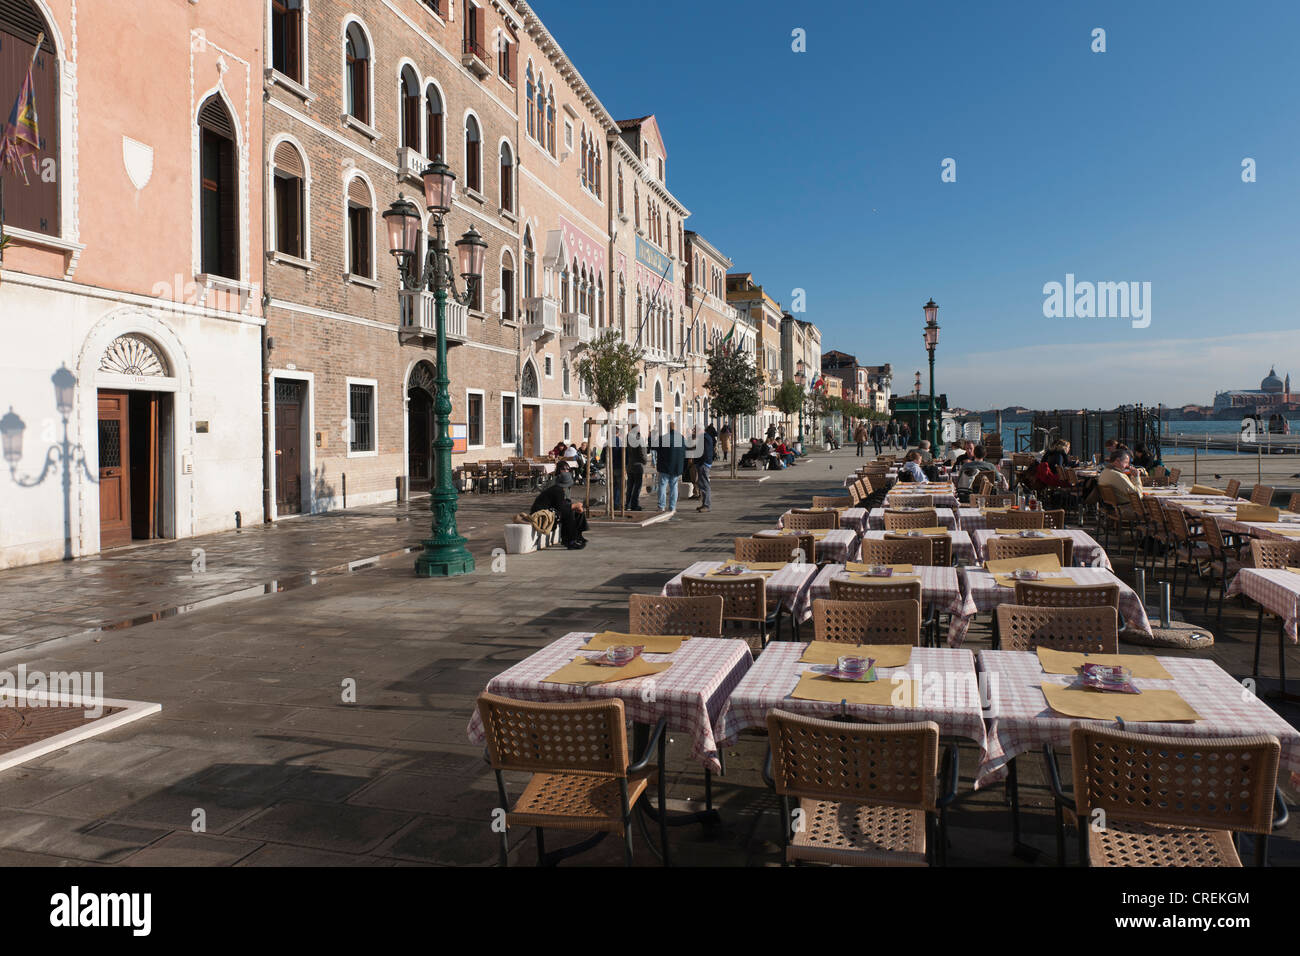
473, 155
528, 381
409, 97
528, 100
507, 287
622, 306
598, 172
530, 259
600, 300
564, 290
564, 377
550, 122
541, 111
31, 197
287, 38
360, 228
507, 178
636, 205
433, 123
219, 210
357, 55
289, 179
620, 189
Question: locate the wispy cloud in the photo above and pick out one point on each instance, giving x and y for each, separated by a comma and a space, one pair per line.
1105, 374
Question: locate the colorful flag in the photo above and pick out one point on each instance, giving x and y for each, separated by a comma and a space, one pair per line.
21, 139
726, 339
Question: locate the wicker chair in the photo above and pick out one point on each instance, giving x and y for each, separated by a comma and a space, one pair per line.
1233, 487
1261, 495
1272, 554
1035, 594
884, 590
581, 778
1055, 519
940, 547
744, 605
982, 485
1294, 503
1190, 549
803, 542
867, 622
992, 501
1116, 513
1174, 475
1156, 528
915, 551
999, 548
766, 549
912, 501
905, 520
1167, 801
799, 520
1228, 559
1087, 630
868, 793
827, 501
657, 614
1020, 520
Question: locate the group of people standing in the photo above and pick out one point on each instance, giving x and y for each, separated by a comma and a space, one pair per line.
630, 456
892, 434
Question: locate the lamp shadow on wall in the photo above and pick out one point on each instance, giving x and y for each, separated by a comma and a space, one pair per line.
323, 495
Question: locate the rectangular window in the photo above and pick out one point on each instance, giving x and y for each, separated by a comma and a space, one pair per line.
361, 410
475, 417
286, 38
568, 135
507, 419
219, 230
359, 241
507, 295
288, 215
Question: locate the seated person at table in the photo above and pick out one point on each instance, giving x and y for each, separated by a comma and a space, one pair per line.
568, 515
1142, 458
923, 446
961, 453
1116, 475
972, 469
559, 450
911, 470
1050, 470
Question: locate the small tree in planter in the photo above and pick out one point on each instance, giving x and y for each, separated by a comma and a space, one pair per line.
609, 367
734, 387
789, 399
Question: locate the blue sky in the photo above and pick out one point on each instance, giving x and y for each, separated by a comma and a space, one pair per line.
821, 170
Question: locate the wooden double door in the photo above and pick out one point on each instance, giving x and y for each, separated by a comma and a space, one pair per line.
131, 458
288, 446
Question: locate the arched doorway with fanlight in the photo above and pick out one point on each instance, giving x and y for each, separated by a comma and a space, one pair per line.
420, 391
530, 411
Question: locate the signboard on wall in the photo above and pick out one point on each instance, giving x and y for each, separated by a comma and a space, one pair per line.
459, 438
654, 260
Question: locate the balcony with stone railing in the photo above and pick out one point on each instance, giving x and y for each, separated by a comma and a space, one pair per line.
541, 318
420, 319
577, 331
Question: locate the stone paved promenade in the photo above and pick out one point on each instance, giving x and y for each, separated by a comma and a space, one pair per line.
253, 731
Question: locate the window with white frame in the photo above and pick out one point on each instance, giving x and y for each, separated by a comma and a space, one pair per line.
361, 416
474, 418
507, 419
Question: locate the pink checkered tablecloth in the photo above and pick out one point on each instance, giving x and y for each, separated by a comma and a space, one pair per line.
962, 549
789, 586
983, 593
850, 518
972, 520
949, 693
842, 544
1019, 720
940, 588
1087, 552
944, 497
876, 520
691, 694
1274, 590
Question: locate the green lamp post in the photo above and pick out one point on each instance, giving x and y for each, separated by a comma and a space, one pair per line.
932, 343
445, 554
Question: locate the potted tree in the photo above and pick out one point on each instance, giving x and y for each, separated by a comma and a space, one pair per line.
609, 367
734, 388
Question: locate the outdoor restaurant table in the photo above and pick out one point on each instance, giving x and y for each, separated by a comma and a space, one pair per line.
851, 518
876, 520
983, 593
962, 549
940, 587
1087, 552
788, 586
1019, 720
949, 693
1273, 589
841, 544
691, 694
972, 520
945, 496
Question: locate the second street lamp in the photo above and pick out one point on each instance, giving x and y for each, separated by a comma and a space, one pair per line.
931, 343
445, 554
916, 405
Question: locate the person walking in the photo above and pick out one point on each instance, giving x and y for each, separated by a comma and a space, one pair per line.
860, 436
878, 436
704, 469
636, 462
891, 434
905, 435
724, 441
670, 462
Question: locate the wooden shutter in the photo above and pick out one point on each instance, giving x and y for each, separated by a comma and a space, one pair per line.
358, 193
480, 25
289, 161
31, 202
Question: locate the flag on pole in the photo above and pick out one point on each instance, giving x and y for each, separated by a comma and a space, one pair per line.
726, 339
21, 138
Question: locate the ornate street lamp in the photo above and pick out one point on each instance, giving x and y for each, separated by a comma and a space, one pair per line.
799, 380
445, 553
932, 343
916, 405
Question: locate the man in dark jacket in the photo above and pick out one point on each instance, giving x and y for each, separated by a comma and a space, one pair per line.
568, 515
704, 468
670, 462
878, 437
636, 462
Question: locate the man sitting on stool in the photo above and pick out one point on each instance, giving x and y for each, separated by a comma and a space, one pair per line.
568, 515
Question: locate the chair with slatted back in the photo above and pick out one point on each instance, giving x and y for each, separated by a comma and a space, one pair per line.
869, 794
1000, 548
1157, 528
799, 520
867, 622
1054, 518
898, 550
1020, 520
1159, 476
1261, 495
744, 605
581, 778
804, 542
496, 476
1086, 630
880, 589
1174, 475
1038, 594
1232, 488
1114, 511
1227, 558
1190, 549
982, 485
523, 475
764, 550
911, 501
1167, 801
829, 501
1272, 554
992, 501
1294, 504
906, 520
940, 547
659, 614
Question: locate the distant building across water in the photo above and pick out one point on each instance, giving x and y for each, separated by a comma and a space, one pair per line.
1273, 395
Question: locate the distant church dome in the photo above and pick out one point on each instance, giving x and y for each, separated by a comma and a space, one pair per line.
1271, 383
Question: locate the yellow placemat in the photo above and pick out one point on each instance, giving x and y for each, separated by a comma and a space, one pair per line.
830, 652
1288, 534
582, 672
1206, 491
881, 693
1008, 581
928, 532
757, 565
861, 568
1161, 705
1029, 562
1257, 513
1293, 570
653, 643
1015, 532
1065, 662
